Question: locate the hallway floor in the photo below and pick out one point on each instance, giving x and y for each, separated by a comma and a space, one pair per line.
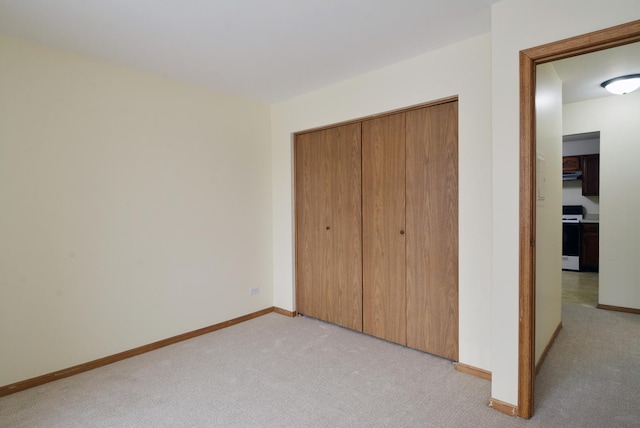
580, 288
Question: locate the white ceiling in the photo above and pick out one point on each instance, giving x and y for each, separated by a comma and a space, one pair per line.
271, 50
268, 50
582, 75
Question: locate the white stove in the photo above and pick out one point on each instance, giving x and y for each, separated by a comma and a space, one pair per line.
577, 218
571, 218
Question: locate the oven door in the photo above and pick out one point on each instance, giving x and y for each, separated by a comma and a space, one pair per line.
571, 246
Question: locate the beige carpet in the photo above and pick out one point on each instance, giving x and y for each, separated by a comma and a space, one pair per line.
591, 377
275, 371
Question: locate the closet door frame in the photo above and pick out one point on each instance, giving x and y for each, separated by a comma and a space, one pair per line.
352, 121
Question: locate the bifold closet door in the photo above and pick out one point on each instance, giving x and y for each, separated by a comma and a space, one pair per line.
432, 229
383, 223
328, 182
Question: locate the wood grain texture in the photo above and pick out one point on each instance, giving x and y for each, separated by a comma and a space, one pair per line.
570, 163
618, 309
60, 374
527, 259
432, 229
328, 225
590, 247
383, 222
502, 407
473, 371
386, 113
285, 312
591, 175
591, 42
529, 59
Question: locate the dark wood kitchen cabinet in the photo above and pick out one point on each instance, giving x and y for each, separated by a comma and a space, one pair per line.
591, 175
590, 247
571, 163
590, 167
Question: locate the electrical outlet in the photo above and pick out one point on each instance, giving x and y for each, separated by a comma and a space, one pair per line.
254, 290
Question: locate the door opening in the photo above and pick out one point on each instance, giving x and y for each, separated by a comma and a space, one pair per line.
529, 59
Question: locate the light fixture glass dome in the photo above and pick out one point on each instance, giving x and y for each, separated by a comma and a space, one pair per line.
623, 84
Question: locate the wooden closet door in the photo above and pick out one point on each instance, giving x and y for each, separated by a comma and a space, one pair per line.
329, 226
383, 217
432, 230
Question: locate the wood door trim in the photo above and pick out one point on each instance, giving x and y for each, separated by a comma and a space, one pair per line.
473, 371
377, 115
618, 309
506, 408
529, 59
285, 312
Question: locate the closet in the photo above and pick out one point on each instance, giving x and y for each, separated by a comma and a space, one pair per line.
377, 226
329, 225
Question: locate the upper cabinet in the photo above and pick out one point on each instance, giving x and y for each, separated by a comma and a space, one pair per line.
590, 167
570, 163
590, 175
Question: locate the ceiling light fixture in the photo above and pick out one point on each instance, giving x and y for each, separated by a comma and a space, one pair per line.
623, 84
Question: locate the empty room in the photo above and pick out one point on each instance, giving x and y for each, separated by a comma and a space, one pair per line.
313, 213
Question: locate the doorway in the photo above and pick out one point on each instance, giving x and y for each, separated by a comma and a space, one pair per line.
529, 59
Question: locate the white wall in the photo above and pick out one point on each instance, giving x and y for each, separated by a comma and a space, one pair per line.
548, 205
461, 69
572, 190
617, 119
132, 208
581, 147
146, 203
518, 25
572, 195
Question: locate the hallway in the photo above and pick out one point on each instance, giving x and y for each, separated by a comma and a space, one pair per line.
590, 377
580, 288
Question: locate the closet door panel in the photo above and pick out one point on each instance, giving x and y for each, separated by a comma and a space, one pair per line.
328, 225
432, 229
383, 202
